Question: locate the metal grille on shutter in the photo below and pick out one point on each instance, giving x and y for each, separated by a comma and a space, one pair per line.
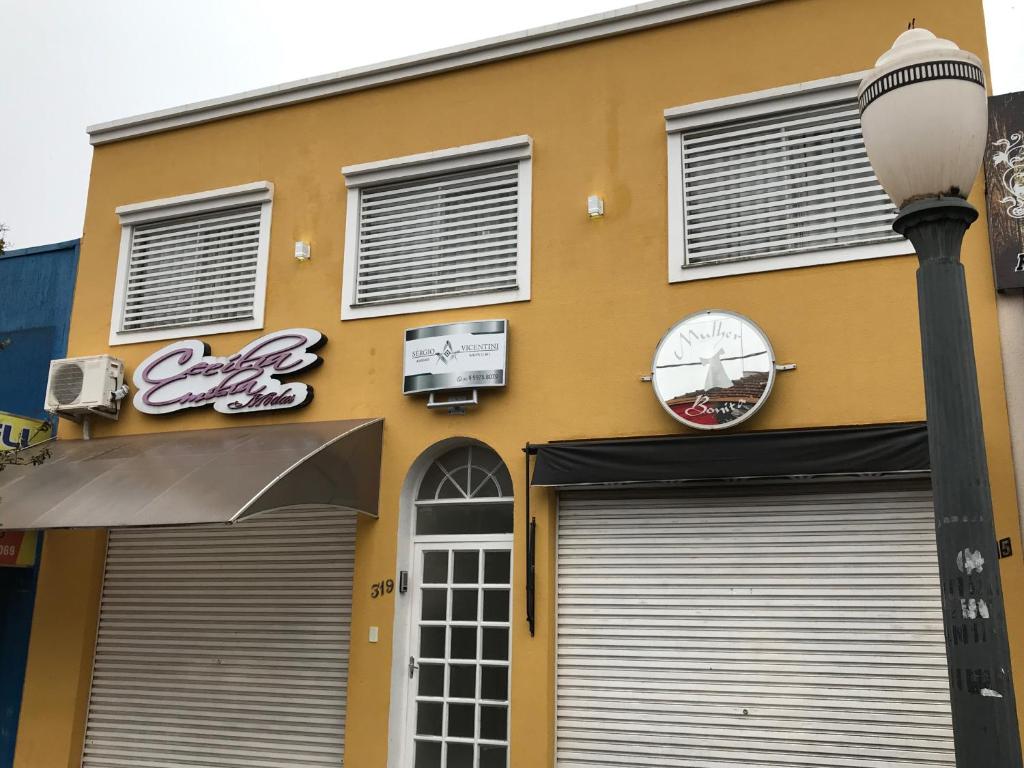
445, 235
224, 646
193, 270
797, 181
787, 629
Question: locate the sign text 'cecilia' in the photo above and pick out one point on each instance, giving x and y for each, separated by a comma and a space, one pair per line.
185, 375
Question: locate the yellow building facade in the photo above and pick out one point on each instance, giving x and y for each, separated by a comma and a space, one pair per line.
589, 109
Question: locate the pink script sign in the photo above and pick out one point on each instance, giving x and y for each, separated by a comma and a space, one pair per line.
185, 375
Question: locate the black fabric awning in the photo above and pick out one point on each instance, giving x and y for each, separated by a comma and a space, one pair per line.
857, 450
201, 476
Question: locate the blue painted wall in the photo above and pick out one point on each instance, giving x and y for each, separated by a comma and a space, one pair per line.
36, 289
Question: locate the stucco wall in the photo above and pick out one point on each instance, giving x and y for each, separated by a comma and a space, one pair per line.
59, 667
600, 302
36, 288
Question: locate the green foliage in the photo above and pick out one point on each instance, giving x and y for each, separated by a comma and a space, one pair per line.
37, 452
22, 457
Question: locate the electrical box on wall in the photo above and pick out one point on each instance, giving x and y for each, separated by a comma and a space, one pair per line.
81, 386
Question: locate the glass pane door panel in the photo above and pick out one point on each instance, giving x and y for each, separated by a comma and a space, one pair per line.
494, 683
492, 756
464, 604
460, 755
468, 518
467, 567
432, 680
496, 568
428, 754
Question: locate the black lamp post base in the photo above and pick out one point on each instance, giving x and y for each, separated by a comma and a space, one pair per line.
977, 652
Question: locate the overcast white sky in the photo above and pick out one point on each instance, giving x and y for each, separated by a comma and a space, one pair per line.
65, 64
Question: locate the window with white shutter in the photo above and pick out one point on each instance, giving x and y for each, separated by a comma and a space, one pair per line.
774, 180
192, 265
438, 230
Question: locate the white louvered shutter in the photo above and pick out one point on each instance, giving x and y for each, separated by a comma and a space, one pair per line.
224, 647
787, 629
793, 182
197, 269
445, 235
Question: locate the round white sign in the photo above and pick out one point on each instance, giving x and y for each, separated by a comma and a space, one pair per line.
713, 370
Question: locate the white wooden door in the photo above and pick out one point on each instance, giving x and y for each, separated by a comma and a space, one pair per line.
458, 711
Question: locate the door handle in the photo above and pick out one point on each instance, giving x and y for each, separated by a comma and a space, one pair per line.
413, 666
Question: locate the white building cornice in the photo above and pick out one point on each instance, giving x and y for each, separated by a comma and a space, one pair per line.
611, 23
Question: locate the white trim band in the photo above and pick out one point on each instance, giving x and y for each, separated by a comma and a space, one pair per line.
444, 160
794, 261
596, 27
183, 205
816, 93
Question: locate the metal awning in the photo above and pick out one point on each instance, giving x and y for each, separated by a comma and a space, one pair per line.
200, 476
874, 449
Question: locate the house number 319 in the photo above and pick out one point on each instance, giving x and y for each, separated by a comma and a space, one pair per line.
385, 587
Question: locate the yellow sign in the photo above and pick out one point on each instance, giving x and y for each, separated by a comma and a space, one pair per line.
20, 432
18, 548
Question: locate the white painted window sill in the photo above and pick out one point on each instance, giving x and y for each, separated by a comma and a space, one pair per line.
433, 305
793, 261
118, 338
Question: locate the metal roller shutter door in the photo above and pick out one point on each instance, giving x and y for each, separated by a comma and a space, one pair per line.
784, 629
223, 647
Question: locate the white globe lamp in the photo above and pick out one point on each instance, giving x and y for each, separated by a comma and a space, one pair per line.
924, 115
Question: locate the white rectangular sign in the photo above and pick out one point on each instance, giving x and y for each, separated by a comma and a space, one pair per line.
455, 356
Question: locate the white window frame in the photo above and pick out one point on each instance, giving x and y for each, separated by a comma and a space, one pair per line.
816, 93
514, 149
261, 192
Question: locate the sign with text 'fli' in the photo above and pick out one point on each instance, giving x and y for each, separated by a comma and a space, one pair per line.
17, 432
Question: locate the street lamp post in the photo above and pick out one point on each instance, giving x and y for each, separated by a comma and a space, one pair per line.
924, 119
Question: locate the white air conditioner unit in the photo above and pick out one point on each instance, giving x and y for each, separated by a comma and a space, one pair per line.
80, 386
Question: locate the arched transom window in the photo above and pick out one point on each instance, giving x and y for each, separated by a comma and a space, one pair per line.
466, 491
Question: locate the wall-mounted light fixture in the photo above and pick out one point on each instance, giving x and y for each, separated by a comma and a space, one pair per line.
302, 251
595, 206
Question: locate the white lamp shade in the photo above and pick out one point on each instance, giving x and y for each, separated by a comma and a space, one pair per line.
924, 116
